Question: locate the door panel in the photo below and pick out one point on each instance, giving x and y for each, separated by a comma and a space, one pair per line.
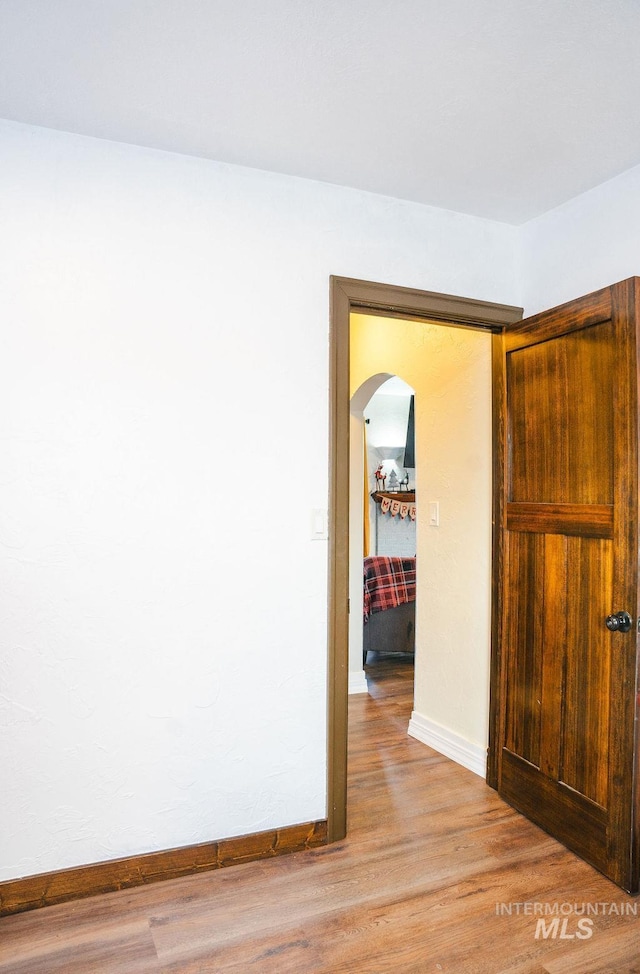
587, 683
562, 429
566, 685
524, 637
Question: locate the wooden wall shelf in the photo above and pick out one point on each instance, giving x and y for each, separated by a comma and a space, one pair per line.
404, 496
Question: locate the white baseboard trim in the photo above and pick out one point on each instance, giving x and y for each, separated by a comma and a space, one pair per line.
358, 682
446, 742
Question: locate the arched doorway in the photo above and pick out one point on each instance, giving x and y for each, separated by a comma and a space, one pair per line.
383, 433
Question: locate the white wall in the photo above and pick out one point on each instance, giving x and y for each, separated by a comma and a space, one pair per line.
163, 658
357, 681
387, 418
588, 243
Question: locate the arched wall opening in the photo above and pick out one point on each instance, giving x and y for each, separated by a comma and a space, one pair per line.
360, 512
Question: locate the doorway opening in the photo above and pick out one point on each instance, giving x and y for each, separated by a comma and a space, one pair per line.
373, 301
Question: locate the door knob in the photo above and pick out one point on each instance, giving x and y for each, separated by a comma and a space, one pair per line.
619, 622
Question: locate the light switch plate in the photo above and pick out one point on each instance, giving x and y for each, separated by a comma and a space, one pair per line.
319, 524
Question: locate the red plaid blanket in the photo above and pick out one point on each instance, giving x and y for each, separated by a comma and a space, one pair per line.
388, 582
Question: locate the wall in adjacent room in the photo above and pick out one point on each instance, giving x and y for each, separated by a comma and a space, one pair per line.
387, 416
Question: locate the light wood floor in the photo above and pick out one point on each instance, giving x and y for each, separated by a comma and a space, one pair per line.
431, 855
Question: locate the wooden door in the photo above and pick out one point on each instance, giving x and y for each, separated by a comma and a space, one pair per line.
566, 684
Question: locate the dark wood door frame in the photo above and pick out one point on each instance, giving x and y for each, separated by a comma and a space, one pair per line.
347, 295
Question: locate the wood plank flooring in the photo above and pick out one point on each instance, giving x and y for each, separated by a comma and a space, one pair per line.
433, 876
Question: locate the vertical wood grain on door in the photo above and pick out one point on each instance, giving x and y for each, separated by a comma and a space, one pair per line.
566, 684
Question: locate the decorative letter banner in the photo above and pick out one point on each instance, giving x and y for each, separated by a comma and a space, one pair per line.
395, 507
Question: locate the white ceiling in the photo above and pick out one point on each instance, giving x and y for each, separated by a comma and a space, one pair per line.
500, 108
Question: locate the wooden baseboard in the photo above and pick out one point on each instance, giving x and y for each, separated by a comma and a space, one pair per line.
45, 889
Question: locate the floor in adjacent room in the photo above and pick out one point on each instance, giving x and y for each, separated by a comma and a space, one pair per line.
437, 874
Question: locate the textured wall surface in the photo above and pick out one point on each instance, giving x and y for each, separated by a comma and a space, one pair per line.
590, 242
392, 535
164, 383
